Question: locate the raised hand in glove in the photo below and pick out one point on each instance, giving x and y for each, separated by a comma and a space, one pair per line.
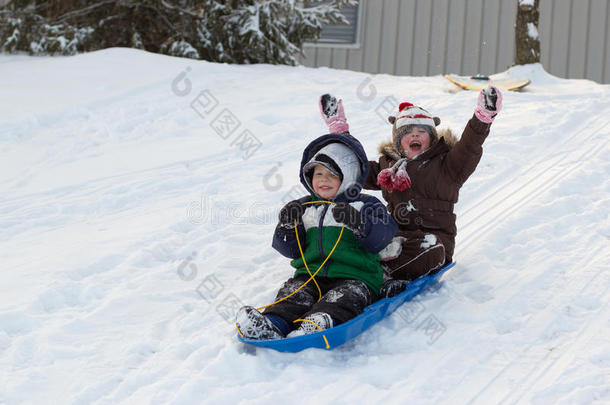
293, 211
333, 114
348, 215
489, 104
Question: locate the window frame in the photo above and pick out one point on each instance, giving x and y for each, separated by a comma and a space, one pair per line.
344, 45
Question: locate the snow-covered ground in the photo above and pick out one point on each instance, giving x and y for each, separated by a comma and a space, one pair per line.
138, 198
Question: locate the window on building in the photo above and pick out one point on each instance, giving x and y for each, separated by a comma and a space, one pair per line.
342, 34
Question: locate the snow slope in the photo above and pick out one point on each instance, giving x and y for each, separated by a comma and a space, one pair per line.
138, 198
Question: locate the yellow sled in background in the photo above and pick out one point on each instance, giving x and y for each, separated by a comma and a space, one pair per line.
480, 82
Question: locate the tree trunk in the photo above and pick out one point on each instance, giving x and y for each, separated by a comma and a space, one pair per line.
527, 40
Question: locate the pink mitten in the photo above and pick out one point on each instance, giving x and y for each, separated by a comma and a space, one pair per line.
395, 177
384, 179
333, 114
402, 181
489, 104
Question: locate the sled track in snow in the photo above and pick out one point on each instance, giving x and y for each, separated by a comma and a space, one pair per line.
542, 365
558, 360
531, 181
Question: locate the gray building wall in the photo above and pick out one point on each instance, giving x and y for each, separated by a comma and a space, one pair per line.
431, 37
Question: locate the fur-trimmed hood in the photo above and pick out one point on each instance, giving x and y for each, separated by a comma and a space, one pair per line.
446, 137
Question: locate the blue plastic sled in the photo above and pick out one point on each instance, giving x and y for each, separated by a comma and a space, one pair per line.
335, 337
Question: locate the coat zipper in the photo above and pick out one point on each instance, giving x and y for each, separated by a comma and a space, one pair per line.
320, 246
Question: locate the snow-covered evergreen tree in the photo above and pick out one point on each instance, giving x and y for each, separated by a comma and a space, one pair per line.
237, 31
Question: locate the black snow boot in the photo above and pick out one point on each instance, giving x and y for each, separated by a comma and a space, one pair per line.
254, 325
392, 288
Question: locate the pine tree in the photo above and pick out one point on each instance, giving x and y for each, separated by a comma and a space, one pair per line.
237, 31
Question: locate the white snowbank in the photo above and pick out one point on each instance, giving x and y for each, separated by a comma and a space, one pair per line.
139, 196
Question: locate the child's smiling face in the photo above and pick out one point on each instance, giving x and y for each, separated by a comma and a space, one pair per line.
325, 183
414, 142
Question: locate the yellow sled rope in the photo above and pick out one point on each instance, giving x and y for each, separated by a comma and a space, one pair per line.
312, 276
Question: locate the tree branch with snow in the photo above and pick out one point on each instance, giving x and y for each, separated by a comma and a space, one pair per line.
238, 31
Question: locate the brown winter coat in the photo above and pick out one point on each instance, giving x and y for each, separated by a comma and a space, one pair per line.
436, 178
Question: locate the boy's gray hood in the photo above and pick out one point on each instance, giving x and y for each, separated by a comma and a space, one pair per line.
347, 153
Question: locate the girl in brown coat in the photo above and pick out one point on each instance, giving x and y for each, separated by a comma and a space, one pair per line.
420, 173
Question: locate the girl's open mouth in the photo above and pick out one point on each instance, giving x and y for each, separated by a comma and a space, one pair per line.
415, 145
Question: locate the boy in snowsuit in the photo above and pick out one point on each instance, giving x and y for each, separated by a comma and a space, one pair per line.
333, 168
420, 173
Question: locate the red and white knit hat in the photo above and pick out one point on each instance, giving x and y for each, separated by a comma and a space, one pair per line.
409, 114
